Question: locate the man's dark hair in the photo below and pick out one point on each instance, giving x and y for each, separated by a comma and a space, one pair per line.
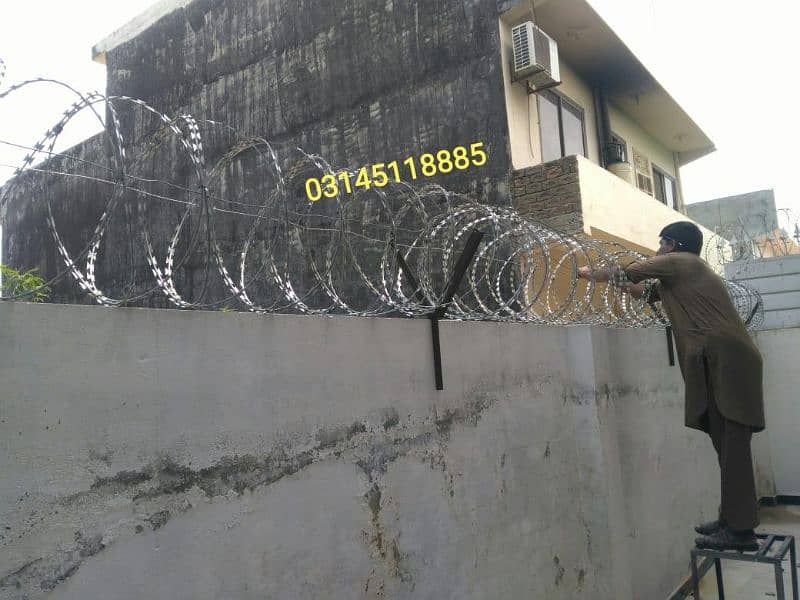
686, 235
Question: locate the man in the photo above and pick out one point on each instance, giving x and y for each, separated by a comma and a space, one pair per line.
721, 368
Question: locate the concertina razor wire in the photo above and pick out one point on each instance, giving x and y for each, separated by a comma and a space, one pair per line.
335, 256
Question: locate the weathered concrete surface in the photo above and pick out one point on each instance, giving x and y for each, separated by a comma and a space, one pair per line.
207, 455
777, 279
778, 448
752, 213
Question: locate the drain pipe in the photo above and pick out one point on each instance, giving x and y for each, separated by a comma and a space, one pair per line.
603, 122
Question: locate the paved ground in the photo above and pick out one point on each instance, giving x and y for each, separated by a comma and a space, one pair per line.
748, 581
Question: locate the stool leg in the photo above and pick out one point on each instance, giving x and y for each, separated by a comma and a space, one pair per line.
695, 579
779, 582
793, 559
720, 588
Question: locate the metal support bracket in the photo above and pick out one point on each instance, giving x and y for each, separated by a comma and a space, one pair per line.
463, 262
670, 349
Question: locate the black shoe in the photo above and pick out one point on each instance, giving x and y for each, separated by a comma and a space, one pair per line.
710, 528
725, 539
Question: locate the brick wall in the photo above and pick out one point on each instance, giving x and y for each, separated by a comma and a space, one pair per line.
550, 193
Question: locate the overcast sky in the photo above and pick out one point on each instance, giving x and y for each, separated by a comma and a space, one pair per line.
732, 69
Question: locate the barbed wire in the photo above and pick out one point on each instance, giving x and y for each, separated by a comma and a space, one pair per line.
755, 237
340, 255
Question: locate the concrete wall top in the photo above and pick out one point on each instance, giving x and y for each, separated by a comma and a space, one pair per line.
135, 26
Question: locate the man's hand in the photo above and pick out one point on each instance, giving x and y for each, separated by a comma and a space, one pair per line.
600, 275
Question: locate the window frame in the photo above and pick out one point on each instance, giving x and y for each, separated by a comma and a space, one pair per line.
615, 138
562, 98
658, 172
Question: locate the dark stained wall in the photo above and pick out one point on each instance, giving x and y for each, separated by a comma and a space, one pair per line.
357, 81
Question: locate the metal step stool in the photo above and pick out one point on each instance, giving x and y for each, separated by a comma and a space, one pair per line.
779, 544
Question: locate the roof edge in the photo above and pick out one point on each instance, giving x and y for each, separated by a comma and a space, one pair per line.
135, 26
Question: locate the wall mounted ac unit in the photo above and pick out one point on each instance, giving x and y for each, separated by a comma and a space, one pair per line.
535, 56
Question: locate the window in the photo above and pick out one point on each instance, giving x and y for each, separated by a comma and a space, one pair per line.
620, 148
665, 188
561, 127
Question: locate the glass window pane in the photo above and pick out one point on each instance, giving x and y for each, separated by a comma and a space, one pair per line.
573, 130
659, 186
669, 192
548, 126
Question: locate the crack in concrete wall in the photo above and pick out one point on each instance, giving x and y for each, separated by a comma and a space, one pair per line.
164, 488
51, 570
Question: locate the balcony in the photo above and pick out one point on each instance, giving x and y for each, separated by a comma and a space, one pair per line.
577, 196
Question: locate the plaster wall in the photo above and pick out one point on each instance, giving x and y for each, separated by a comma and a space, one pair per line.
753, 212
636, 137
782, 411
176, 454
777, 279
522, 109
612, 206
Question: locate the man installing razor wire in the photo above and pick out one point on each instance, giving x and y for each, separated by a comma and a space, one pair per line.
720, 364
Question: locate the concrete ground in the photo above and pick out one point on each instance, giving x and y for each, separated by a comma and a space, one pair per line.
750, 581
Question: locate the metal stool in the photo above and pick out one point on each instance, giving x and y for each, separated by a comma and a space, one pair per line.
770, 541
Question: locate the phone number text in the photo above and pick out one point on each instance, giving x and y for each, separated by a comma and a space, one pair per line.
379, 175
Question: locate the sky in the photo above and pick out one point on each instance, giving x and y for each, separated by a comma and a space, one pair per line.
730, 66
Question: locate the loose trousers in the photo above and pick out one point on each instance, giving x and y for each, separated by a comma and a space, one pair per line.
739, 506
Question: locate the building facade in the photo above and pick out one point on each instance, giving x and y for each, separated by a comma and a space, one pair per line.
361, 82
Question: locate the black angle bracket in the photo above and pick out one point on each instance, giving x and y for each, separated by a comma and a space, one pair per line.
464, 260
670, 349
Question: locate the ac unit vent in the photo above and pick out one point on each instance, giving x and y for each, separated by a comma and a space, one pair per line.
644, 183
535, 56
643, 170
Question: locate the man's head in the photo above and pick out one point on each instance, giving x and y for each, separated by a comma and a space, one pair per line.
682, 236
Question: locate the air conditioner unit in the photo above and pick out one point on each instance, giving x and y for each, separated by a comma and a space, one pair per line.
535, 56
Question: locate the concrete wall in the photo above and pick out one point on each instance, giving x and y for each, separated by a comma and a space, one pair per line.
753, 214
778, 281
636, 137
778, 446
151, 454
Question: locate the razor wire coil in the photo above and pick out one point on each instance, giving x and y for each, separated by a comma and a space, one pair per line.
338, 256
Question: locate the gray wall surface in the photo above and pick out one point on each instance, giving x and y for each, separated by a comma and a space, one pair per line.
777, 279
205, 455
779, 347
754, 213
